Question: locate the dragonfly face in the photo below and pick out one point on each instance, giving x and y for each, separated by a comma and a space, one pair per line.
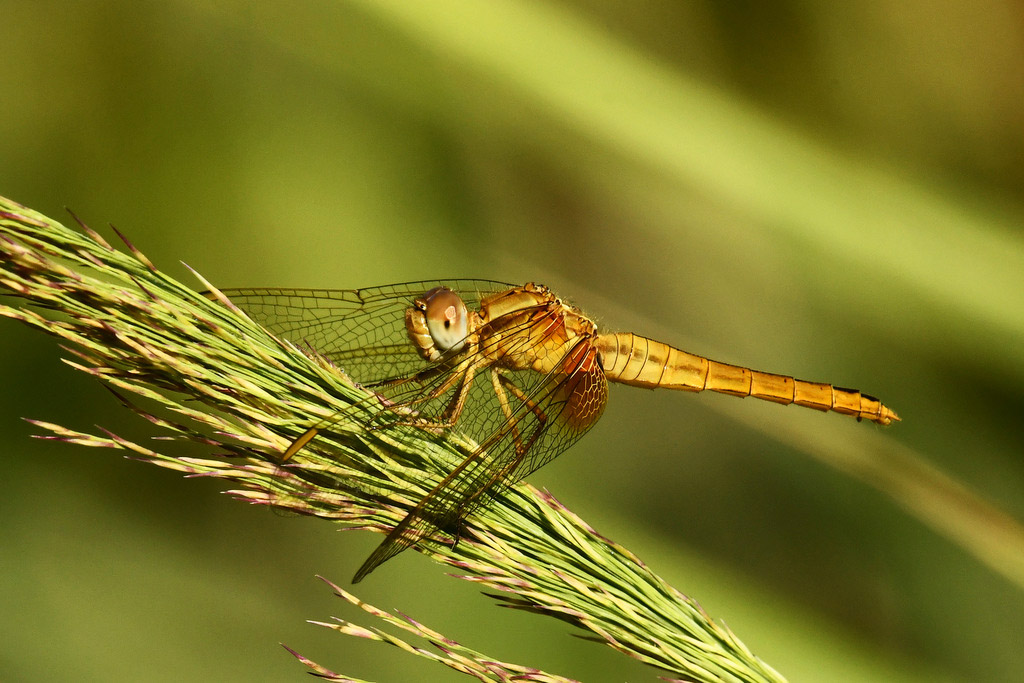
438, 323
515, 369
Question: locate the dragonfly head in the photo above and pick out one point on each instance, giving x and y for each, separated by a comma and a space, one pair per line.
438, 323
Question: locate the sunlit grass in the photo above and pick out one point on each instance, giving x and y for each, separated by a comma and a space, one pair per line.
215, 379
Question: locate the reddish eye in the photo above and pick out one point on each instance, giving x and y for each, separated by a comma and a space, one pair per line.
447, 319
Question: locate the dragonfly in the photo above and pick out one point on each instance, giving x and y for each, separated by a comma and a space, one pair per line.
519, 371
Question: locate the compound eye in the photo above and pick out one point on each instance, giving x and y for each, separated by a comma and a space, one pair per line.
447, 319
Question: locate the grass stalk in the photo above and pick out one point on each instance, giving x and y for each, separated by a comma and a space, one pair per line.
202, 373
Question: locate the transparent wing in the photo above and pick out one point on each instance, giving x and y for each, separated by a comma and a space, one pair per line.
362, 331
529, 418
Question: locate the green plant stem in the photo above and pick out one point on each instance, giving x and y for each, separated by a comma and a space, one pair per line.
210, 376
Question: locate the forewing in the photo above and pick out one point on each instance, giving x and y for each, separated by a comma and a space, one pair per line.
362, 331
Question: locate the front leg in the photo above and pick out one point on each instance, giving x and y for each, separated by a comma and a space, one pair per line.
405, 409
450, 415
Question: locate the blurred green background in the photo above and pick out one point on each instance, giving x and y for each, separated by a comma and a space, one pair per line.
834, 191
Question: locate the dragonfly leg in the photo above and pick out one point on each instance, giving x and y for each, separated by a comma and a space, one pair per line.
502, 387
501, 384
450, 415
